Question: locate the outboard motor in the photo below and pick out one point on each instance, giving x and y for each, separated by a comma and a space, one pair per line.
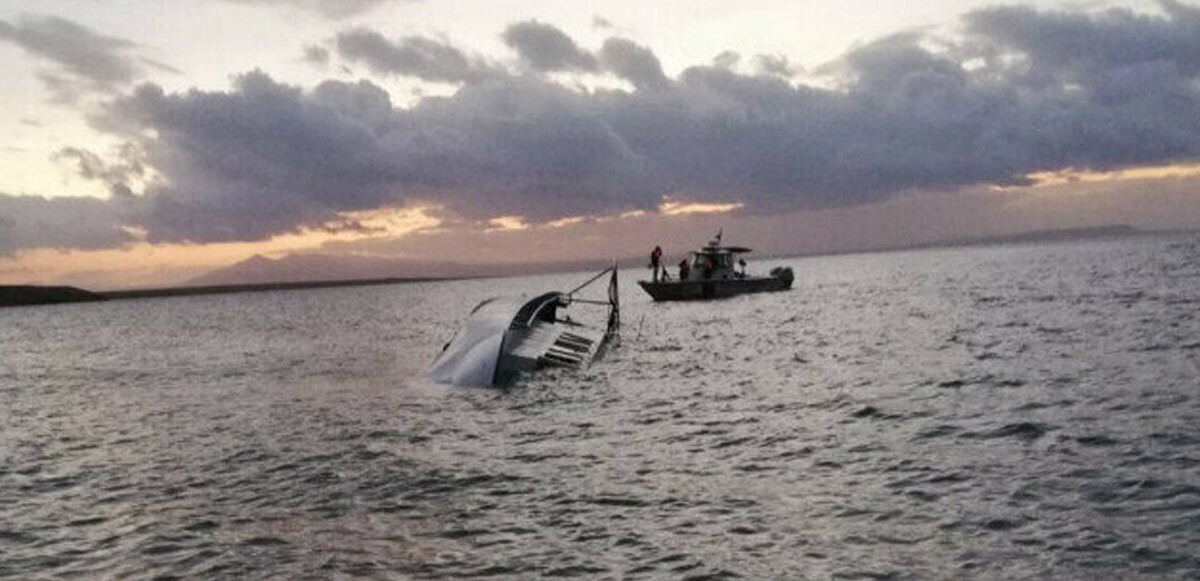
784, 274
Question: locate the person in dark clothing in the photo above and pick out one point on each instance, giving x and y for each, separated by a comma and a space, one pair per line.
684, 269
655, 258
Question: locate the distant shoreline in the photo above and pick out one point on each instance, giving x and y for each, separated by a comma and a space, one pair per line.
257, 287
30, 295
1031, 237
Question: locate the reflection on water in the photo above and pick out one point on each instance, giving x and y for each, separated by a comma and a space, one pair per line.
1007, 412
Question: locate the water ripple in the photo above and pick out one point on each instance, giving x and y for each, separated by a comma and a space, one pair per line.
1013, 412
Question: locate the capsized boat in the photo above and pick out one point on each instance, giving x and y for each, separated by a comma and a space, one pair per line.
712, 275
507, 336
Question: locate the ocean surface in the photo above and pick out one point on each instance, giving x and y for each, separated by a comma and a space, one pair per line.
1006, 412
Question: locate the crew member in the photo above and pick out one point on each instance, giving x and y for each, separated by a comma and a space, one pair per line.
655, 257
684, 269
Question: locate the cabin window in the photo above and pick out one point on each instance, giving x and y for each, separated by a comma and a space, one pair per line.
722, 260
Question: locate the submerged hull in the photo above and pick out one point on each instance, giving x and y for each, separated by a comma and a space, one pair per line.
699, 290
507, 336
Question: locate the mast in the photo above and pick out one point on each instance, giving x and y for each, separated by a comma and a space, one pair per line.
613, 331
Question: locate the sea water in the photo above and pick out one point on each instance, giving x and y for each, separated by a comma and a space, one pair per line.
1005, 412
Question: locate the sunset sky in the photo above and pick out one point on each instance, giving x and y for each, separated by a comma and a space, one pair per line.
146, 142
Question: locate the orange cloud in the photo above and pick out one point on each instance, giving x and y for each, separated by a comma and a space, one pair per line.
670, 207
143, 264
506, 223
1069, 176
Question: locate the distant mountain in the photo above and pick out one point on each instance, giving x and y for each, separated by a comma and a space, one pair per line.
326, 267
296, 268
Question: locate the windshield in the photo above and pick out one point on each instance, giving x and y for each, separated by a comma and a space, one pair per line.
718, 260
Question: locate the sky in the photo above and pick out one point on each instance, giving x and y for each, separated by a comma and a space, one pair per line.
149, 141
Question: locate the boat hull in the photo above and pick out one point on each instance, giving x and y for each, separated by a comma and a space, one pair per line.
701, 290
507, 336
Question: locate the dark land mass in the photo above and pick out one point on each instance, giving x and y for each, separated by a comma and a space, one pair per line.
16, 296
246, 270
13, 296
180, 291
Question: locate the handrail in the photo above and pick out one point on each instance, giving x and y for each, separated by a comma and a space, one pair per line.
590, 280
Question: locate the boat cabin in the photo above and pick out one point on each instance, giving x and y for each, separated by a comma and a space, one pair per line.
716, 262
715, 272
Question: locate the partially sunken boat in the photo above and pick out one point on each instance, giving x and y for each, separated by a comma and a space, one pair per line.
507, 336
712, 274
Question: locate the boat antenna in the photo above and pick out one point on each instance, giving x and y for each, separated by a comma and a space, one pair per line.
719, 232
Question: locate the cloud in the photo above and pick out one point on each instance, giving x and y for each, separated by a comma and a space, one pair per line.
85, 60
903, 114
413, 56
328, 8
267, 158
37, 222
160, 66
727, 60
1081, 46
316, 55
776, 65
634, 63
546, 48
1108, 89
260, 160
117, 176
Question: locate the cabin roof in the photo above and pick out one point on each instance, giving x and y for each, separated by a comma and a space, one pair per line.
525, 315
723, 250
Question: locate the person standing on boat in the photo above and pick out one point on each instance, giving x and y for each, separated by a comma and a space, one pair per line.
684, 269
655, 258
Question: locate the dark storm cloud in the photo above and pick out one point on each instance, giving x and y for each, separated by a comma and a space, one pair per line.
546, 48
1066, 44
85, 60
634, 63
413, 56
261, 159
266, 158
37, 222
1099, 91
